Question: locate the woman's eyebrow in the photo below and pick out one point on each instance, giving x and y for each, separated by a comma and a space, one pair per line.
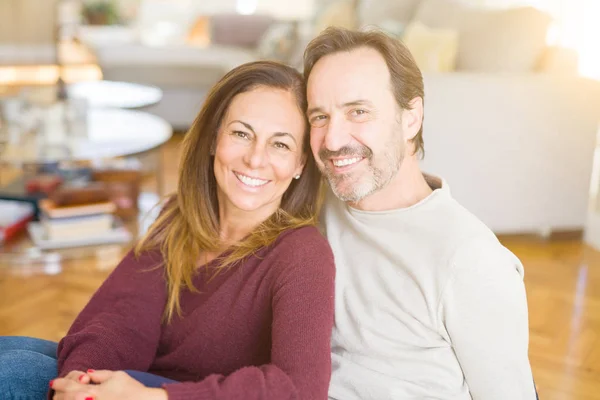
279, 134
247, 125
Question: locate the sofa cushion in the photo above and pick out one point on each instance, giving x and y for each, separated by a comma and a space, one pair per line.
375, 12
503, 40
199, 33
239, 30
277, 42
559, 61
340, 13
445, 14
434, 50
392, 27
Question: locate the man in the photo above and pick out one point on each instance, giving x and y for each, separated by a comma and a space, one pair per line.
429, 305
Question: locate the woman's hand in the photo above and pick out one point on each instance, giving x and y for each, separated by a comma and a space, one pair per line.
110, 385
78, 376
75, 385
118, 385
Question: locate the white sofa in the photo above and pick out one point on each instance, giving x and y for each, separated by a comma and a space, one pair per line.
183, 73
516, 148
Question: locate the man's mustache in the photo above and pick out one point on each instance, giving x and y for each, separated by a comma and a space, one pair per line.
346, 151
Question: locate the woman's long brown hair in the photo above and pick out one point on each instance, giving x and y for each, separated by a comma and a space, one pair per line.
189, 223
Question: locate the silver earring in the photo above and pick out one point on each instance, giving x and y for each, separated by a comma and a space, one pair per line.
297, 176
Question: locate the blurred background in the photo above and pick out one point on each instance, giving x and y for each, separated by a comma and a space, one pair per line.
95, 96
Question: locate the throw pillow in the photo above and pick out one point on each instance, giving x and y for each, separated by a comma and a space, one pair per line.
199, 34
392, 27
277, 42
434, 50
559, 61
500, 40
341, 13
375, 12
239, 30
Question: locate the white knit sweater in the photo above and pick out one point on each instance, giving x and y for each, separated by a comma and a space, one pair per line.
429, 305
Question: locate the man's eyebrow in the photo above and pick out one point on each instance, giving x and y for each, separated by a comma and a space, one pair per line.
247, 125
360, 102
313, 110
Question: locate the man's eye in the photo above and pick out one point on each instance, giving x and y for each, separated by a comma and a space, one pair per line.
318, 120
359, 111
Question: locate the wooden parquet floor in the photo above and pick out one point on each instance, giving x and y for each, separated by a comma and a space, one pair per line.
562, 280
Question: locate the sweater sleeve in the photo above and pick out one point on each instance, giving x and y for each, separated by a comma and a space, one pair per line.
485, 315
120, 326
302, 306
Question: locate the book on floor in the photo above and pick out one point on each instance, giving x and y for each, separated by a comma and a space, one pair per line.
14, 217
77, 227
51, 210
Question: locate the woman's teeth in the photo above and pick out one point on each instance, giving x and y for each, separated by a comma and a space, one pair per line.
251, 181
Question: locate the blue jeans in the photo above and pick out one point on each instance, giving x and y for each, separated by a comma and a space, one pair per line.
27, 365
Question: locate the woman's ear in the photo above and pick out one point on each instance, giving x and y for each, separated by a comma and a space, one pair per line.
300, 167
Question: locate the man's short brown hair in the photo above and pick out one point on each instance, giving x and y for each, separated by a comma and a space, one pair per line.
406, 77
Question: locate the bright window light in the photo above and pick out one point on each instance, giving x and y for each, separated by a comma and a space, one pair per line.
246, 7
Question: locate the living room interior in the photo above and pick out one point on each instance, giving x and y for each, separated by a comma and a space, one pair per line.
97, 95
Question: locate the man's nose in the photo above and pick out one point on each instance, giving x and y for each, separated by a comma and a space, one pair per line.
337, 134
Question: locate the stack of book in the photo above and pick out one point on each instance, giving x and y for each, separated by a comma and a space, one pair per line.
14, 217
78, 221
77, 225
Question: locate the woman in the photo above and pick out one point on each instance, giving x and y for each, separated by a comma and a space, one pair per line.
230, 294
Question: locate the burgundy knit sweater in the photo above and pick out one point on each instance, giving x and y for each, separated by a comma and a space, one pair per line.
260, 330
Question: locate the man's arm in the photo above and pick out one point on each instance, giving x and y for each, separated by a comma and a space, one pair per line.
484, 310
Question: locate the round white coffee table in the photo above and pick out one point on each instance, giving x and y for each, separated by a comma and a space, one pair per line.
110, 133
111, 94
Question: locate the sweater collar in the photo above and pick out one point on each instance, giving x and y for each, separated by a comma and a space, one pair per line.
439, 188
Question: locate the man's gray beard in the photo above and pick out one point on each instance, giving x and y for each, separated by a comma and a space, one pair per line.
354, 191
360, 190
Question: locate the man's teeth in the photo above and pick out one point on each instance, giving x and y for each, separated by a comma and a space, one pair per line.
251, 181
346, 161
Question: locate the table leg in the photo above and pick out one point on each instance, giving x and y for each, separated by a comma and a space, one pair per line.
160, 173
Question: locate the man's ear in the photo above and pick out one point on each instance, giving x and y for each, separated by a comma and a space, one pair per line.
412, 118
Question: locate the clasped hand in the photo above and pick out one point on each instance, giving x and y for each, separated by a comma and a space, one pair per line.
102, 385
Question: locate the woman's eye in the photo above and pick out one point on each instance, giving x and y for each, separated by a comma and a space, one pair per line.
281, 145
242, 135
